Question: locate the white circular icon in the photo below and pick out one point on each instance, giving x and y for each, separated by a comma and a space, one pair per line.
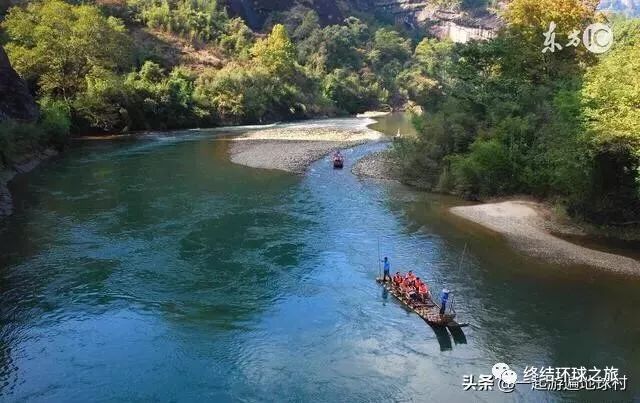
499, 369
509, 377
598, 38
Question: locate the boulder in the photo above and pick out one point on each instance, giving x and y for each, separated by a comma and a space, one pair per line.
16, 102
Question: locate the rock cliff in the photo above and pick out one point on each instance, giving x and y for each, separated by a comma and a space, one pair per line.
458, 25
629, 7
15, 100
15, 103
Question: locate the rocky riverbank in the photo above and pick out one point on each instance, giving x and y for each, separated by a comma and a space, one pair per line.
378, 165
294, 147
529, 226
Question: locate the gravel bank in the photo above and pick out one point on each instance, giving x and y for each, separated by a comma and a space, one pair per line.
377, 165
294, 148
526, 225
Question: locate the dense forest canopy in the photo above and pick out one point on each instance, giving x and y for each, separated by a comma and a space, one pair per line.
512, 119
501, 116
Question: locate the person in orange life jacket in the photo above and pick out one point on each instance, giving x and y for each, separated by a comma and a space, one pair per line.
423, 291
397, 279
409, 278
411, 282
415, 289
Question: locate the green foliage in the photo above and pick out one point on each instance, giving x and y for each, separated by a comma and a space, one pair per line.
55, 122
147, 99
236, 39
254, 93
351, 92
610, 108
55, 45
509, 119
611, 93
18, 139
433, 57
100, 105
485, 170
423, 80
276, 52
389, 47
154, 99
200, 20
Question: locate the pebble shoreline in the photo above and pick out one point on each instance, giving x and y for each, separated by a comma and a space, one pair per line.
527, 226
294, 149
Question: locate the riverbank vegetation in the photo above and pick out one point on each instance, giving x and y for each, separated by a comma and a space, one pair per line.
510, 119
150, 64
167, 64
502, 117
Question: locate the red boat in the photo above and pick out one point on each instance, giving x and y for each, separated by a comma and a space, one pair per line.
338, 161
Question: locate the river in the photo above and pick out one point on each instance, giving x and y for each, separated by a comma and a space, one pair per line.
155, 269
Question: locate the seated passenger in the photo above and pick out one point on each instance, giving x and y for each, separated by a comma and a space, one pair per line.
397, 279
409, 278
423, 290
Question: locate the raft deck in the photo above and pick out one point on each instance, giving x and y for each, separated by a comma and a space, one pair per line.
428, 311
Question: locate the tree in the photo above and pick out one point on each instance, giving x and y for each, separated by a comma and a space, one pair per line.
200, 20
350, 92
611, 93
340, 46
389, 47
612, 115
55, 45
534, 16
433, 56
277, 53
237, 38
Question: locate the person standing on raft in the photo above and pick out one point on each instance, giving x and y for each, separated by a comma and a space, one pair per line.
387, 269
444, 297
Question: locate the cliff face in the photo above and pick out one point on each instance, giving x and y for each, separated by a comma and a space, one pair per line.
15, 100
459, 26
629, 7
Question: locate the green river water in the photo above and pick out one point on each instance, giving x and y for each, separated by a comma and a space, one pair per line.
156, 270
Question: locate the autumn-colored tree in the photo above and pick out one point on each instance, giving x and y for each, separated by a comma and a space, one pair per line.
611, 93
535, 16
276, 52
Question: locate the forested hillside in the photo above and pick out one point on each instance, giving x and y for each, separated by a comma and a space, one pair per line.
149, 64
512, 119
502, 117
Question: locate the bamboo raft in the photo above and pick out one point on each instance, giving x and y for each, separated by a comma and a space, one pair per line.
429, 311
